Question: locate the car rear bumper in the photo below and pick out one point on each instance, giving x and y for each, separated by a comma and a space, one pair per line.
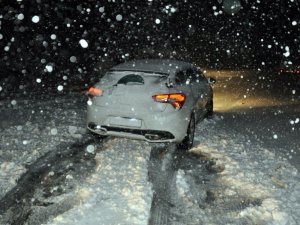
168, 126
147, 135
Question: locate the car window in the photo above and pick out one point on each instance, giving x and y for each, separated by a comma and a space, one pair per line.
199, 75
190, 75
131, 79
180, 78
194, 76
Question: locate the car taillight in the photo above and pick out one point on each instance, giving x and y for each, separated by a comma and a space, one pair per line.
176, 100
94, 92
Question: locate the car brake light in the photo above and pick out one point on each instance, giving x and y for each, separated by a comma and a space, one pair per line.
94, 92
176, 100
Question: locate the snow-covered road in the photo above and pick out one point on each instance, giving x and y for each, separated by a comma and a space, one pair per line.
242, 169
262, 107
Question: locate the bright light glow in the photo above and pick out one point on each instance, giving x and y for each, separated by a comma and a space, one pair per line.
95, 91
229, 99
176, 100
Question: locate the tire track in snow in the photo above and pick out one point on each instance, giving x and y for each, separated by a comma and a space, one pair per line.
161, 174
118, 191
169, 206
45, 178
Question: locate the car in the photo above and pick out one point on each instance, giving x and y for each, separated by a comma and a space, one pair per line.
288, 69
156, 100
290, 74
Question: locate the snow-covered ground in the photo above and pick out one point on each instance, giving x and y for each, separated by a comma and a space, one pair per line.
118, 190
242, 169
252, 185
33, 125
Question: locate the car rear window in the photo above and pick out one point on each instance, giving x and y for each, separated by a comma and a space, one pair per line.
131, 79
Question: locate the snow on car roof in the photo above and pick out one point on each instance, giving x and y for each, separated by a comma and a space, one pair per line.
166, 66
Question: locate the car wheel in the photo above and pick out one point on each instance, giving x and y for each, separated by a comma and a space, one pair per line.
188, 141
210, 109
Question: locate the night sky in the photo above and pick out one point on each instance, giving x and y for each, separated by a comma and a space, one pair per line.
249, 34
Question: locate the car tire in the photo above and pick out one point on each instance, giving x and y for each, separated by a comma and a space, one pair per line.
210, 109
188, 141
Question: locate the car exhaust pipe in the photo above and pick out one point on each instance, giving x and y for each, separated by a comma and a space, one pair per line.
152, 137
100, 130
97, 128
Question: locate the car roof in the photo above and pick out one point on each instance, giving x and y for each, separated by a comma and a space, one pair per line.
163, 66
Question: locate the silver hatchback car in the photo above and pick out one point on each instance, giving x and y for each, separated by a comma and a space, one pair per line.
154, 100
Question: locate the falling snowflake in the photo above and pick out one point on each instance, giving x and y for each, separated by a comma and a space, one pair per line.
119, 17
73, 59
49, 68
101, 9
83, 43
60, 87
53, 131
35, 19
287, 51
20, 16
13, 102
90, 149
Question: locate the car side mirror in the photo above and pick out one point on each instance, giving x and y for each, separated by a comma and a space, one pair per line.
211, 80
